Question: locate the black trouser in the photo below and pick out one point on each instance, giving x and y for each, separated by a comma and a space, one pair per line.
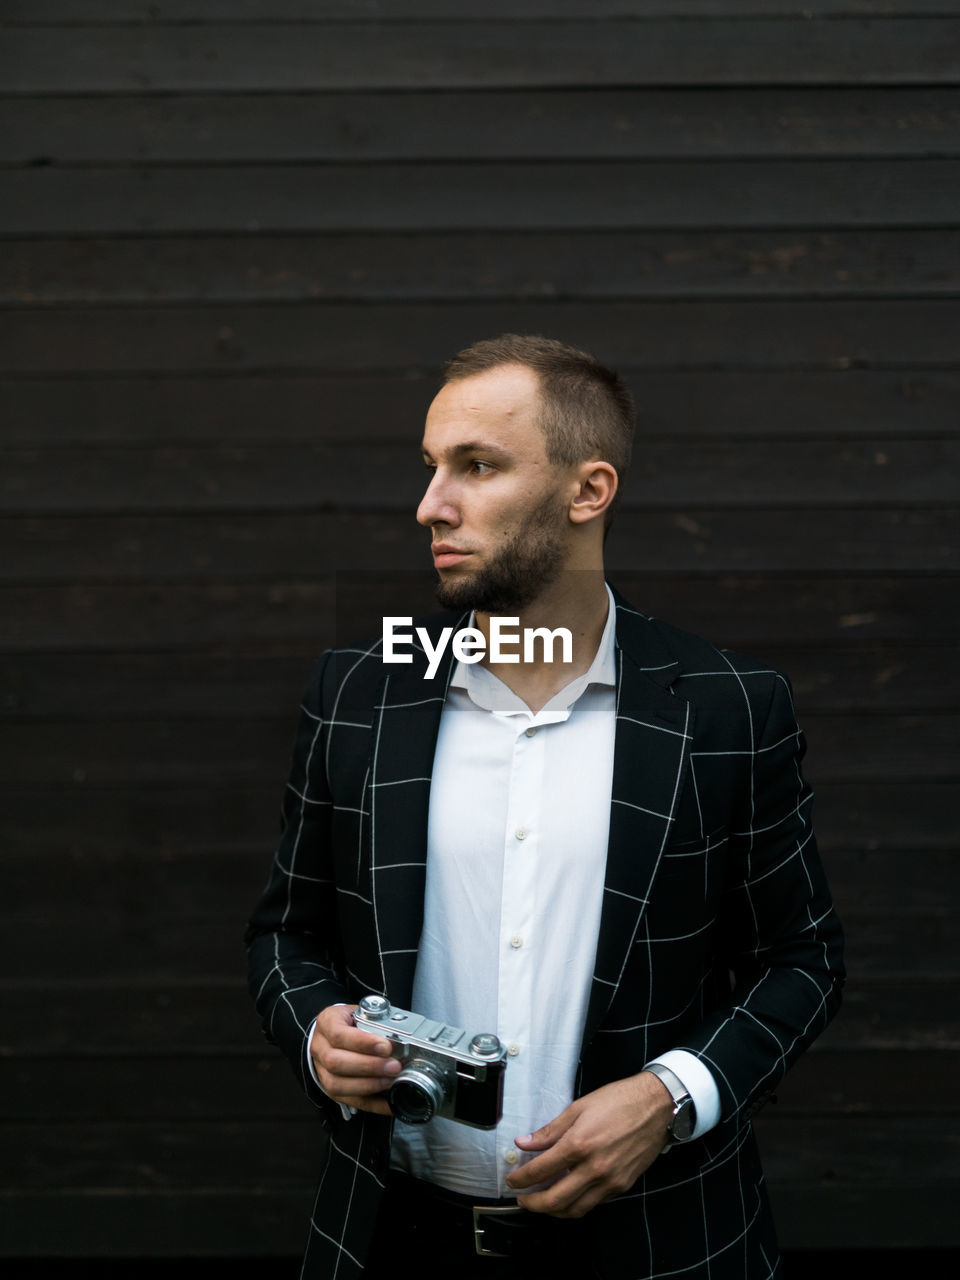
423, 1226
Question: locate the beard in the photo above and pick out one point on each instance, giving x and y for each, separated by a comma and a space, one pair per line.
531, 560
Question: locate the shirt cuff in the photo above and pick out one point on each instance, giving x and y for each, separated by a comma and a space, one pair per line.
698, 1081
345, 1110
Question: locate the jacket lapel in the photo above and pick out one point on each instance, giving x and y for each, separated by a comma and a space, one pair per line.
406, 723
651, 756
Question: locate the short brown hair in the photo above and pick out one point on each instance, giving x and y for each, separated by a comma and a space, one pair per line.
586, 410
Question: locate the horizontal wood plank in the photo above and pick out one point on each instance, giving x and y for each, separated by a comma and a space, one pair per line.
350, 337
483, 195
478, 55
225, 819
216, 1019
665, 475
796, 1149
188, 1088
824, 1082
35, 686
268, 1225
57, 1228
460, 266
531, 125
198, 753
869, 817
300, 618
146, 1157
199, 1018
177, 408
83, 12
228, 552
174, 916
155, 1157
898, 1216
183, 1089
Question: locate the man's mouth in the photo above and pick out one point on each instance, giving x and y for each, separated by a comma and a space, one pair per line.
445, 555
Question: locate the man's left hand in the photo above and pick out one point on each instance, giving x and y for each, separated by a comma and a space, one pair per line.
596, 1148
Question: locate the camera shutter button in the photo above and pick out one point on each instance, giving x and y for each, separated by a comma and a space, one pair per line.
486, 1045
375, 1007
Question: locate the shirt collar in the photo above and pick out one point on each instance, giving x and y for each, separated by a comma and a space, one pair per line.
491, 694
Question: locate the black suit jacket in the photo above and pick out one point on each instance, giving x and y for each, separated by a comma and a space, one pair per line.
717, 933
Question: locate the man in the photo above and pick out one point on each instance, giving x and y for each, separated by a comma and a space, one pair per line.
606, 860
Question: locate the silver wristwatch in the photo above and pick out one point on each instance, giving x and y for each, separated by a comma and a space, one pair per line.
681, 1127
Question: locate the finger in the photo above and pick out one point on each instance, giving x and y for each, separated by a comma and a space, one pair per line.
336, 1025
379, 1106
545, 1137
562, 1201
543, 1168
346, 1088
538, 1141
558, 1198
361, 1042
341, 1062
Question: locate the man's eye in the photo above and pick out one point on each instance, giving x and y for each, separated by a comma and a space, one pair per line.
482, 468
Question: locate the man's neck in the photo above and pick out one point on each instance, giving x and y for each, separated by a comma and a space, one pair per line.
579, 604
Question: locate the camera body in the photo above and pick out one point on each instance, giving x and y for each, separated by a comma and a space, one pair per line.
446, 1072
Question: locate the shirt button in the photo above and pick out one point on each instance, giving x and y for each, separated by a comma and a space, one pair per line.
521, 833
516, 941
513, 1050
531, 732
511, 1157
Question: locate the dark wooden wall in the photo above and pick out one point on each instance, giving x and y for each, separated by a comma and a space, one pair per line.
238, 238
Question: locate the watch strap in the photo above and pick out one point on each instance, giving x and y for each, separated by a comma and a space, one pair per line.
683, 1104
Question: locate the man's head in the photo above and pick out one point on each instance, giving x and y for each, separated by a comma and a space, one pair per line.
586, 410
517, 442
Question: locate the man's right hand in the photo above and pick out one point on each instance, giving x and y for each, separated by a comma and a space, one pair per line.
352, 1066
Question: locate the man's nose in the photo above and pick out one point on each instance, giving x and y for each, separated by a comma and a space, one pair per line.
437, 506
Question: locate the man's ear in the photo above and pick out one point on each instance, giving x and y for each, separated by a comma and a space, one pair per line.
596, 489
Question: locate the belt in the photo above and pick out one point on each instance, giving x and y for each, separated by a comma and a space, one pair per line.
498, 1228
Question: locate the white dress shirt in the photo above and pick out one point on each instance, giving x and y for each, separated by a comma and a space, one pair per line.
516, 852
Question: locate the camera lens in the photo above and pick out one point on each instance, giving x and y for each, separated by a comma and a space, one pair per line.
417, 1092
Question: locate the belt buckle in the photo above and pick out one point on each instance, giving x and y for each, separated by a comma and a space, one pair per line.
479, 1210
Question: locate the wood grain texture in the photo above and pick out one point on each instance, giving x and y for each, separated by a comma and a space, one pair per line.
836, 1215
533, 195
279, 615
183, 1088
889, 677
143, 128
352, 337
205, 1018
162, 754
478, 55
734, 405
79, 12
295, 550
174, 905
463, 265
171, 1156
891, 817
344, 476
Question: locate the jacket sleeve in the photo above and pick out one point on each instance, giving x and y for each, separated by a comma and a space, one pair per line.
779, 938
293, 936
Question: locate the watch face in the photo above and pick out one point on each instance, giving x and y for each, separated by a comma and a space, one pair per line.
684, 1121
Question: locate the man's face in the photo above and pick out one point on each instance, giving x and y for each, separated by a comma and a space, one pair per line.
496, 506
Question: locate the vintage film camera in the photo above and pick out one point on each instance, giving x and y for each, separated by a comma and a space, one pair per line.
445, 1072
